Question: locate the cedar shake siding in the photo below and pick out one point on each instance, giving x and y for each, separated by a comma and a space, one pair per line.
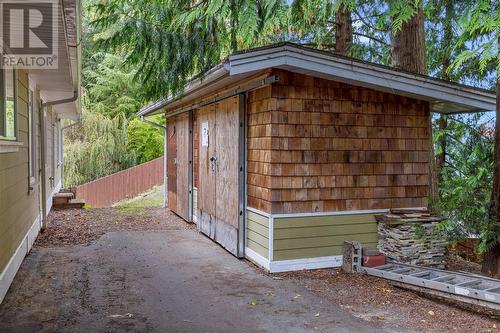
316, 145
259, 126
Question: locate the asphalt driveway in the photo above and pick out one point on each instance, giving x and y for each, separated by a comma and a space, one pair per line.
168, 280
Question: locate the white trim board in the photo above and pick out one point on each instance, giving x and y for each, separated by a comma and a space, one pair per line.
256, 258
10, 271
292, 265
336, 213
331, 213
256, 211
271, 238
306, 263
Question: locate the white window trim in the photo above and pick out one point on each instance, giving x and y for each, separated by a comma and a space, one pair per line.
11, 145
16, 110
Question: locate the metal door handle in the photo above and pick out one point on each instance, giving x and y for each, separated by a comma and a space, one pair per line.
213, 161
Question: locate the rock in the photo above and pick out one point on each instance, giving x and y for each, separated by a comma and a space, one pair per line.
411, 238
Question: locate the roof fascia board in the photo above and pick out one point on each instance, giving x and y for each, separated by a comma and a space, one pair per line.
213, 75
372, 76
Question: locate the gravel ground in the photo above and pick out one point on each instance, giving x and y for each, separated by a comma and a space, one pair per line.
77, 226
365, 297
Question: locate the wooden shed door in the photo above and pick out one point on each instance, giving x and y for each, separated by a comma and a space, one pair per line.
206, 186
219, 185
172, 164
178, 165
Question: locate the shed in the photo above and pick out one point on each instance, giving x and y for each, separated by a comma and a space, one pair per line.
281, 153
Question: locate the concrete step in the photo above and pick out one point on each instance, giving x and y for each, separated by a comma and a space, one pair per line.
62, 198
67, 190
64, 195
72, 203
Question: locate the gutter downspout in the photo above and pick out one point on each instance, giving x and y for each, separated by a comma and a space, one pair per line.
165, 148
43, 135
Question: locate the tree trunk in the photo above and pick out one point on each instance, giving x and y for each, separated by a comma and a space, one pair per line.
408, 53
491, 263
343, 32
408, 45
443, 145
234, 19
446, 61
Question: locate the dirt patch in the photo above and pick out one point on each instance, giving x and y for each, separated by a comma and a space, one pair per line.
82, 226
374, 299
456, 263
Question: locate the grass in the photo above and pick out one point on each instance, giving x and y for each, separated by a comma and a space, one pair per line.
137, 205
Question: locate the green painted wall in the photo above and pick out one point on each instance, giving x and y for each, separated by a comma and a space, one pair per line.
321, 236
19, 207
258, 233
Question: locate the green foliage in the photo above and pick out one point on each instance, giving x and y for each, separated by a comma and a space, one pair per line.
480, 26
169, 41
142, 50
111, 88
419, 231
146, 140
465, 188
99, 148
111, 138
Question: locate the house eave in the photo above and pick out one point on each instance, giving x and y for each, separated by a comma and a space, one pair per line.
443, 96
190, 91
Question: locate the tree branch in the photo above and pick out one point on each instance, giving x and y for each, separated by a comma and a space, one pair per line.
370, 37
369, 25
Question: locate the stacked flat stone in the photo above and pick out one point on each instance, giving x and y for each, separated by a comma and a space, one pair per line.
411, 237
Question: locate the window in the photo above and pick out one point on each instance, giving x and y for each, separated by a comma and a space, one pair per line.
8, 116
32, 138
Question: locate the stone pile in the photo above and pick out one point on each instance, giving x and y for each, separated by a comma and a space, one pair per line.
410, 236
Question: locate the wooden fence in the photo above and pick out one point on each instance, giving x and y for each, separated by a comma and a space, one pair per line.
106, 191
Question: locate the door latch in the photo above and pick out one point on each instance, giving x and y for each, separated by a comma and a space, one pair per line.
213, 162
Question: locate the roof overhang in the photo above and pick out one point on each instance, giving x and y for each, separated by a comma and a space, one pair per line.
443, 96
63, 82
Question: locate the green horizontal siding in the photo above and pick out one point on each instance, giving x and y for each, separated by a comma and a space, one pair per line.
313, 252
320, 236
258, 233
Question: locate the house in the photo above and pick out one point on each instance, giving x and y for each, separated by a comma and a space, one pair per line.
33, 102
281, 153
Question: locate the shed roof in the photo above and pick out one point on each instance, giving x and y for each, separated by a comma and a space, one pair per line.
444, 96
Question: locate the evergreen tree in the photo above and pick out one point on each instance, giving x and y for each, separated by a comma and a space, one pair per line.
481, 35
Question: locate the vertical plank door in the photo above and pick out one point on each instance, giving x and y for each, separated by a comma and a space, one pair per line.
227, 185
206, 172
182, 165
172, 164
218, 198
